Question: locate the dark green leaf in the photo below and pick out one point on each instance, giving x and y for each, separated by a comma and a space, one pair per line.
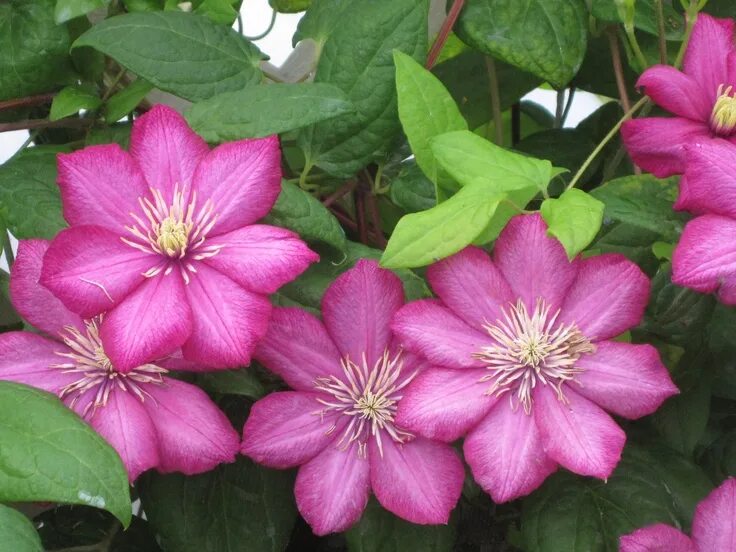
412, 190
320, 20
645, 16
144, 5
233, 382
118, 133
69, 9
289, 6
574, 219
72, 99
125, 101
563, 147
682, 419
17, 532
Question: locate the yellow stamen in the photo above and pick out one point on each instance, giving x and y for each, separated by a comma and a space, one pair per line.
723, 117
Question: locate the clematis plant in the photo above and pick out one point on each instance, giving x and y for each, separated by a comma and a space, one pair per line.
151, 419
526, 362
338, 425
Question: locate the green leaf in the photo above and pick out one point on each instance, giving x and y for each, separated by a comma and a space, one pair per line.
144, 5
182, 53
69, 9
563, 147
266, 109
357, 58
412, 190
29, 196
574, 219
222, 12
233, 382
320, 20
70, 461
645, 16
682, 419
289, 6
125, 101
72, 99
233, 506
544, 37
17, 532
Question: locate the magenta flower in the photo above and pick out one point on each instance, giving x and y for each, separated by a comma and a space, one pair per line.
714, 528
527, 362
338, 425
163, 239
151, 420
701, 97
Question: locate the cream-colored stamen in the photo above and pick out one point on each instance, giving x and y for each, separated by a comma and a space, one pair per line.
723, 116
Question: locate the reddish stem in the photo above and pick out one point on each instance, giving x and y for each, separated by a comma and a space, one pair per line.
45, 123
618, 69
343, 190
375, 215
27, 101
360, 216
447, 26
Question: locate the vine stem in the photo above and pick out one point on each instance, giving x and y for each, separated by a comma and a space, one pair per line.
342, 191
265, 33
691, 16
618, 69
45, 123
660, 33
447, 25
27, 101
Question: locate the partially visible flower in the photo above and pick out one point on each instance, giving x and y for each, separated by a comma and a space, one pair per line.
702, 97
714, 528
152, 420
528, 362
338, 425
163, 240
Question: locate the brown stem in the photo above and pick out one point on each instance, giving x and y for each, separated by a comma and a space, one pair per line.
447, 25
660, 33
45, 123
343, 190
27, 101
375, 215
618, 69
344, 219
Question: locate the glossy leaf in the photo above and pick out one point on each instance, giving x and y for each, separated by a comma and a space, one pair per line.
574, 218
71, 100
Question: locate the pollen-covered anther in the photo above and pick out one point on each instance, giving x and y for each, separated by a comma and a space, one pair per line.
723, 116
531, 348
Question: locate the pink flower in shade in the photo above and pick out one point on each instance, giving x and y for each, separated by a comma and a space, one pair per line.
163, 239
338, 425
702, 98
527, 362
151, 420
714, 528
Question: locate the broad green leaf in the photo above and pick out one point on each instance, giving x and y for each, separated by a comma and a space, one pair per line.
574, 218
263, 110
50, 454
412, 190
289, 6
69, 9
645, 16
682, 419
182, 53
29, 196
358, 58
125, 101
72, 99
118, 133
544, 37
233, 382
17, 532
235, 506
422, 238
426, 110
515, 202
320, 20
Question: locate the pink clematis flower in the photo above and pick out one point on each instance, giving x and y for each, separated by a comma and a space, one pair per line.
338, 425
714, 528
152, 421
528, 367
163, 239
702, 98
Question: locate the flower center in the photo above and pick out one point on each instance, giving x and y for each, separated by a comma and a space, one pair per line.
531, 348
723, 117
88, 359
369, 396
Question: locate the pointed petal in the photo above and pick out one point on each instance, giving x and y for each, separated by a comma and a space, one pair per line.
243, 180
332, 489
709, 184
430, 330
28, 358
656, 537
34, 302
607, 298
419, 481
471, 286
444, 404
357, 310
579, 435
228, 320
152, 322
628, 380
100, 185
676, 92
714, 524
261, 258
286, 429
90, 270
298, 348
534, 264
166, 149
194, 436
706, 57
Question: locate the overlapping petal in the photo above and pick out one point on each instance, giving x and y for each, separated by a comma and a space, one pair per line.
714, 523
706, 57
709, 183
28, 358
656, 537
676, 92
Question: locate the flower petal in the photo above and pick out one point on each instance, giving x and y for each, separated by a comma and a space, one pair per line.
34, 302
419, 481
656, 537
194, 435
28, 358
607, 298
628, 380
150, 323
706, 57
228, 320
90, 270
285, 429
676, 92
505, 453
428, 329
332, 489
261, 258
579, 435
471, 286
167, 150
444, 404
534, 264
298, 348
709, 184
100, 185
243, 180
357, 310
714, 523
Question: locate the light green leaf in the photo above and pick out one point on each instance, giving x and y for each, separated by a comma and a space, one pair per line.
574, 219
515, 202
125, 101
72, 99
17, 532
50, 454
289, 6
222, 12
69, 9
263, 110
182, 53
